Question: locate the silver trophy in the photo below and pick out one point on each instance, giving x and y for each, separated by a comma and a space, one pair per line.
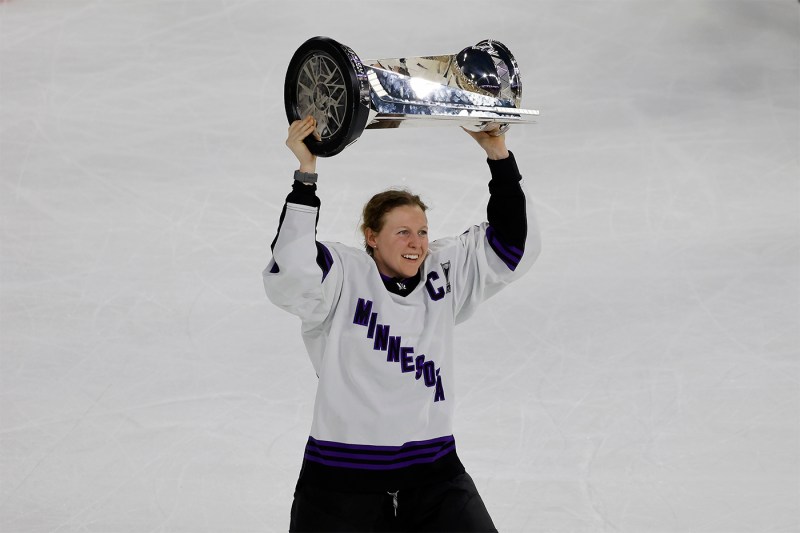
478, 88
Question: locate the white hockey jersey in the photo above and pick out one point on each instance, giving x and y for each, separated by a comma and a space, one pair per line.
384, 404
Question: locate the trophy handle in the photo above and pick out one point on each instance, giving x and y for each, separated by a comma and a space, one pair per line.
327, 80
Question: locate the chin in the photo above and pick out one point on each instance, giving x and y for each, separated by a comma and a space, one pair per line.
408, 270
404, 273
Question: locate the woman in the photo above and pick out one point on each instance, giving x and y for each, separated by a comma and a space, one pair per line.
378, 327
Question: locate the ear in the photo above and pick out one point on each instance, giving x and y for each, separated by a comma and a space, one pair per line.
370, 238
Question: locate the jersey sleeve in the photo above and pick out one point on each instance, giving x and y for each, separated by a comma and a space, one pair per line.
302, 277
494, 253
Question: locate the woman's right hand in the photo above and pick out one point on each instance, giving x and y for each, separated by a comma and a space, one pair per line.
299, 130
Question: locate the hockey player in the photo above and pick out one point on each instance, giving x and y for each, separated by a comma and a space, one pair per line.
378, 327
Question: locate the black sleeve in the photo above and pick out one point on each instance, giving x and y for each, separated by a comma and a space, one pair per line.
301, 194
506, 208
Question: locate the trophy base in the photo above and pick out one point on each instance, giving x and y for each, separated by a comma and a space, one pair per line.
326, 80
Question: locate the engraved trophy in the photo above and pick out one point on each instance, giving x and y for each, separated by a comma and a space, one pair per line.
478, 88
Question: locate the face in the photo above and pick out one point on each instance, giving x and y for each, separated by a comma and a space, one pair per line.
401, 245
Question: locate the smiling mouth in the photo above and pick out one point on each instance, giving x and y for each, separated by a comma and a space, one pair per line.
412, 257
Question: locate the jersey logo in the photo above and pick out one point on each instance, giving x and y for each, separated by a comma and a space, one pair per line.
437, 293
446, 270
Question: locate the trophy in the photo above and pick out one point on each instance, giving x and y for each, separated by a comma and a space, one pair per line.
478, 88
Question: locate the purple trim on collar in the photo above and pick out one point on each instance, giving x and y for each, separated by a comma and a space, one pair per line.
394, 285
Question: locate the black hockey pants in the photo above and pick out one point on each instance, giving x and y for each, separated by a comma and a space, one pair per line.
453, 506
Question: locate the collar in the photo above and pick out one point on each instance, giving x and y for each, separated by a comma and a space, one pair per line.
401, 286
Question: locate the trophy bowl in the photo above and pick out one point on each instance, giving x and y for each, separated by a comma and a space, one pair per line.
478, 88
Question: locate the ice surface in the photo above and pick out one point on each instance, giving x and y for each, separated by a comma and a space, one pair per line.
642, 378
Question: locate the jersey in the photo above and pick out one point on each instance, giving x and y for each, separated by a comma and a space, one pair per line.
383, 413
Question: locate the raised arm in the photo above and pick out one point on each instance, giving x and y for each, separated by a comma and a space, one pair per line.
507, 210
503, 248
294, 278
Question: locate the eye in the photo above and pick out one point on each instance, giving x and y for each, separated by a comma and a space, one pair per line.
403, 232
423, 233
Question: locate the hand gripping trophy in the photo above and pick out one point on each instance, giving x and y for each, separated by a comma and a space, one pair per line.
477, 88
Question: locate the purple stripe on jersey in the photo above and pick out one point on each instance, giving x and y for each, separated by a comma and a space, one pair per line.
390, 466
510, 255
382, 456
342, 446
274, 269
513, 251
324, 259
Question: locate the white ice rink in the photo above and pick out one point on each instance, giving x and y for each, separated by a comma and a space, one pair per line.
644, 377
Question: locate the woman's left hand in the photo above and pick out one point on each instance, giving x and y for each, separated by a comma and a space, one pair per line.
494, 144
